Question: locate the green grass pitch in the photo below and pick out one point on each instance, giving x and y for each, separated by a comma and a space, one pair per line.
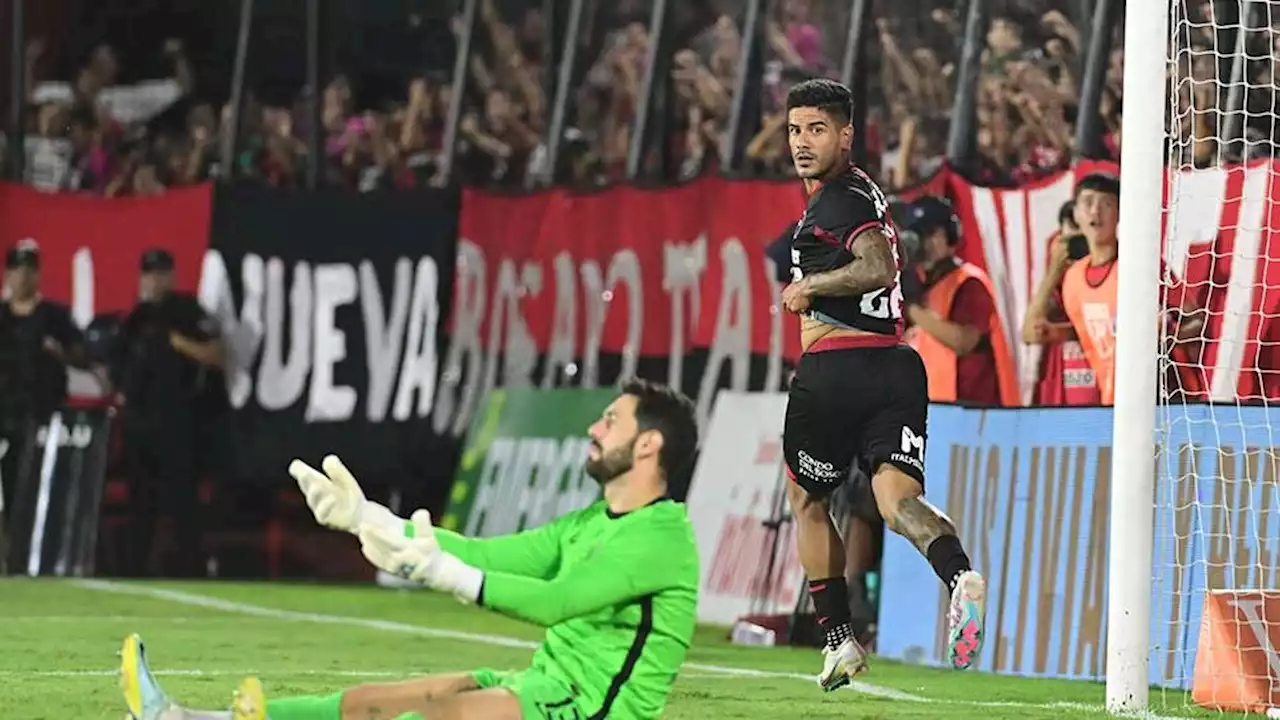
59, 640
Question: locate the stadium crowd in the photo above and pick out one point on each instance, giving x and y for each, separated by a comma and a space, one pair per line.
103, 128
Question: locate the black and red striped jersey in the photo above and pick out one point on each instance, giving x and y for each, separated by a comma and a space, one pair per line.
838, 212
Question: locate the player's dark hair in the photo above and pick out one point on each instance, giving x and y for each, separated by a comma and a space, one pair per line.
671, 413
1099, 182
826, 95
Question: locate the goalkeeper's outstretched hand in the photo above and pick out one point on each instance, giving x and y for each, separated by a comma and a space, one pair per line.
414, 554
335, 498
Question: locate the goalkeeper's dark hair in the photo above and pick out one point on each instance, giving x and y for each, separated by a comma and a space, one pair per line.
826, 95
671, 413
1099, 182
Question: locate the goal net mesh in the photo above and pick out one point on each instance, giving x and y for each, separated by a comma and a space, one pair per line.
1217, 519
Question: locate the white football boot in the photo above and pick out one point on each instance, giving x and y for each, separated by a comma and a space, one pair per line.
841, 663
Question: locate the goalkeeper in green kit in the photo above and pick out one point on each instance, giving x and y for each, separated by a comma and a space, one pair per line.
616, 584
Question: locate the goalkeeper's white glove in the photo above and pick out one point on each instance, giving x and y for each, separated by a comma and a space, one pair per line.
336, 500
414, 554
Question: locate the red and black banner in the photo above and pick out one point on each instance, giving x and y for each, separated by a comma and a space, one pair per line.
564, 289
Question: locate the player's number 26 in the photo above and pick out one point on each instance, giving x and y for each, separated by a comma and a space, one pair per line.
882, 304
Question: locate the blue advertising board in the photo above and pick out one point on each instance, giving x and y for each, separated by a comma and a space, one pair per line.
1029, 490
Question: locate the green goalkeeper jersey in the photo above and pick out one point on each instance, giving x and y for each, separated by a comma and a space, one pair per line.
618, 594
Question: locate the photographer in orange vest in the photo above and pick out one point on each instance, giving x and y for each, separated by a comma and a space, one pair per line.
952, 312
1066, 377
1089, 294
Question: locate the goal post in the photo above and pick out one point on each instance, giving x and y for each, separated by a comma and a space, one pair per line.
1133, 461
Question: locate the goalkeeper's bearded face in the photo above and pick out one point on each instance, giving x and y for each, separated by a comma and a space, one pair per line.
605, 465
613, 441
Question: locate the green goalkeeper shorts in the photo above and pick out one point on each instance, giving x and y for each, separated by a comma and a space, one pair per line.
541, 696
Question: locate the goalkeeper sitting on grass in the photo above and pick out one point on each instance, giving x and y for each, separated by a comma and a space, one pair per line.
616, 584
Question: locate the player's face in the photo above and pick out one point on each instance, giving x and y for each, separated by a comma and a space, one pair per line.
1097, 214
613, 440
818, 145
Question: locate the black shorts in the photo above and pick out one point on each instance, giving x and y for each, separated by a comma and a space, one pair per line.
867, 405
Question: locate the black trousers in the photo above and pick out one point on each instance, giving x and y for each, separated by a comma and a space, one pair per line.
15, 477
161, 468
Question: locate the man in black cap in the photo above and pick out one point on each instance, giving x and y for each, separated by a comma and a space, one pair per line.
951, 306
38, 339
165, 352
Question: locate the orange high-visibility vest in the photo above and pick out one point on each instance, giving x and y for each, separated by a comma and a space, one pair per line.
940, 360
1092, 311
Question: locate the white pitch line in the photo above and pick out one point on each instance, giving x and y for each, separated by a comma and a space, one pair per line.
54, 619
215, 603
209, 673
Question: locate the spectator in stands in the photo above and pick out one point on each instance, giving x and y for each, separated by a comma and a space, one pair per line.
501, 136
950, 305
1194, 124
795, 40
91, 166
1066, 378
422, 130
705, 99
1004, 44
1111, 108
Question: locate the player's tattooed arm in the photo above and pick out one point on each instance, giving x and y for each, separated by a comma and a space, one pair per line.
873, 267
921, 523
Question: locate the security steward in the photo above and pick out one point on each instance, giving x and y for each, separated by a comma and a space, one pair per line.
166, 349
38, 340
950, 305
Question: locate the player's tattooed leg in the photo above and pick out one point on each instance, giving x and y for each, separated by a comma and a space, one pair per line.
934, 535
898, 496
920, 522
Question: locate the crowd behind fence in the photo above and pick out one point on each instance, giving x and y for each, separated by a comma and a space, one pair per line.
489, 92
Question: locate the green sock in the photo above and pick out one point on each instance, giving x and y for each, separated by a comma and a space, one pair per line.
410, 716
306, 707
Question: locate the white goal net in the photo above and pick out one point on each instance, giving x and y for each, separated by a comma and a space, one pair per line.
1214, 617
